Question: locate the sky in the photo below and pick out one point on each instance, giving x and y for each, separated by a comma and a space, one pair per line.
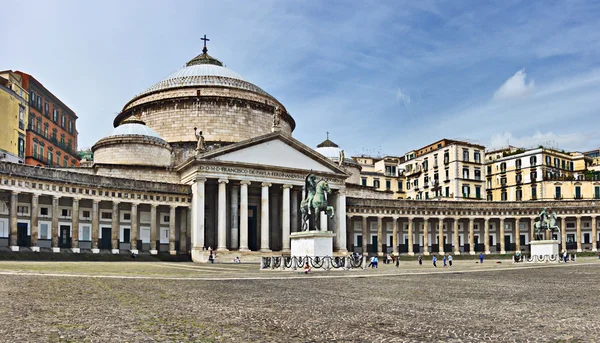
383, 77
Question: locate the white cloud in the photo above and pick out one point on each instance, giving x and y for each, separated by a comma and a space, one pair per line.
548, 139
515, 87
402, 96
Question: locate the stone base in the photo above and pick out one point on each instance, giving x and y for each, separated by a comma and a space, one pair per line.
134, 251
76, 250
153, 252
35, 249
544, 248
95, 251
312, 243
14, 248
55, 249
173, 252
114, 251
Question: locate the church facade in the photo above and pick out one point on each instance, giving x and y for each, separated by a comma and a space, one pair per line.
205, 159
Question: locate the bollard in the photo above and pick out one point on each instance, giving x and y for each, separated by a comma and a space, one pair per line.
272, 262
294, 263
282, 264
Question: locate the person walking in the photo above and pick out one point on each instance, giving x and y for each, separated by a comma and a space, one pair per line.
450, 260
371, 262
420, 260
434, 260
565, 255
445, 265
376, 261
397, 261
481, 257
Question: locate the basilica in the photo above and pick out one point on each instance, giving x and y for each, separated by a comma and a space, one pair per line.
205, 159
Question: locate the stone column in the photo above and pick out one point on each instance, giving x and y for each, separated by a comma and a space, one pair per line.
95, 225
365, 234
410, 236
115, 230
244, 215
340, 230
14, 199
285, 219
35, 222
153, 230
380, 238
55, 247
502, 244
517, 232
75, 226
531, 229
563, 232
472, 237
395, 235
486, 233
349, 232
222, 216
426, 236
594, 234
579, 234
455, 241
172, 250
294, 210
441, 235
264, 218
134, 228
183, 227
197, 228
235, 228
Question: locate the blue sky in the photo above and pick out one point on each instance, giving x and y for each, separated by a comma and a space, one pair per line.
382, 77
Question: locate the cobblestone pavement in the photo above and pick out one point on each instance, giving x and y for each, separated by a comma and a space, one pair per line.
465, 304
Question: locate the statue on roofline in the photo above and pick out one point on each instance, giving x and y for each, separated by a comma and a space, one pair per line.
201, 146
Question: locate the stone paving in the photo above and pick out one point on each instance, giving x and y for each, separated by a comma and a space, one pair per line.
181, 302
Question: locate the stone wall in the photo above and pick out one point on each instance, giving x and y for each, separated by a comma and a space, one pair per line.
131, 151
154, 174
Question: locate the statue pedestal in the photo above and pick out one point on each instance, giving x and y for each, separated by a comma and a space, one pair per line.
312, 243
544, 248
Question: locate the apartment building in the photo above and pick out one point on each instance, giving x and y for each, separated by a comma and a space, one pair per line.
381, 173
14, 110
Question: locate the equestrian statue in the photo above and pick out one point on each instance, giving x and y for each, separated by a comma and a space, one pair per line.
314, 201
545, 222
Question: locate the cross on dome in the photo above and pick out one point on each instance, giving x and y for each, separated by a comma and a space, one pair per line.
205, 50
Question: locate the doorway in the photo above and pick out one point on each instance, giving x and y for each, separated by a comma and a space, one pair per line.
105, 241
65, 237
507, 246
252, 233
374, 245
22, 237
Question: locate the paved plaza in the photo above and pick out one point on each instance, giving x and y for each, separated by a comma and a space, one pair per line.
185, 302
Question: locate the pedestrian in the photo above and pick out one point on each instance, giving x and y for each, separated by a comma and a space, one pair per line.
450, 260
371, 262
307, 269
420, 260
376, 261
397, 261
445, 265
434, 259
565, 255
211, 258
480, 257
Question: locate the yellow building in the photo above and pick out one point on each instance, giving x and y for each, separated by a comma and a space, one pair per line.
382, 174
14, 112
539, 174
446, 169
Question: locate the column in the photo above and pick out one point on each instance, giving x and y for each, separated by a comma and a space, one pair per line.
153, 229
115, 230
244, 215
134, 228
349, 232
426, 236
285, 219
563, 232
532, 230
441, 235
594, 234
579, 234
472, 236
95, 226
34, 221
517, 232
365, 235
172, 213
75, 226
395, 235
340, 230
233, 209
486, 238
294, 210
222, 216
55, 246
264, 218
14, 199
501, 238
380, 238
183, 227
410, 236
455, 240
197, 227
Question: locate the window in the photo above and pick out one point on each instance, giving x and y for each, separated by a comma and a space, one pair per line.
503, 181
376, 183
65, 212
597, 192
46, 130
447, 174
586, 238
388, 184
44, 211
489, 170
503, 167
533, 176
127, 216
86, 214
518, 163
21, 117
63, 121
35, 149
399, 186
21, 146
519, 178
364, 181
106, 215
519, 194
46, 108
166, 219
22, 210
533, 193
65, 161
465, 173
533, 160
435, 161
548, 160
466, 155
70, 126
477, 174
44, 231
556, 162
447, 191
85, 233
490, 197
425, 164
478, 192
570, 238
39, 103
504, 196
466, 190
577, 192
55, 115
446, 157
32, 98
425, 180
477, 156
557, 193
50, 157
41, 152
571, 167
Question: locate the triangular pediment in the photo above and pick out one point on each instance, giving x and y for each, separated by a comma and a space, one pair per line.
274, 150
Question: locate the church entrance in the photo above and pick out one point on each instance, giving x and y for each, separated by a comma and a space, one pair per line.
22, 237
252, 233
105, 241
65, 237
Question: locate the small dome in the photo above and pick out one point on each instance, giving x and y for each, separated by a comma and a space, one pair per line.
331, 153
136, 128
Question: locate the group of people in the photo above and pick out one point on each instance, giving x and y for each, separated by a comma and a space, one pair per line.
447, 260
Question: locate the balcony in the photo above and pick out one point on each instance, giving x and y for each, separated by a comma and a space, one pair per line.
415, 171
435, 165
